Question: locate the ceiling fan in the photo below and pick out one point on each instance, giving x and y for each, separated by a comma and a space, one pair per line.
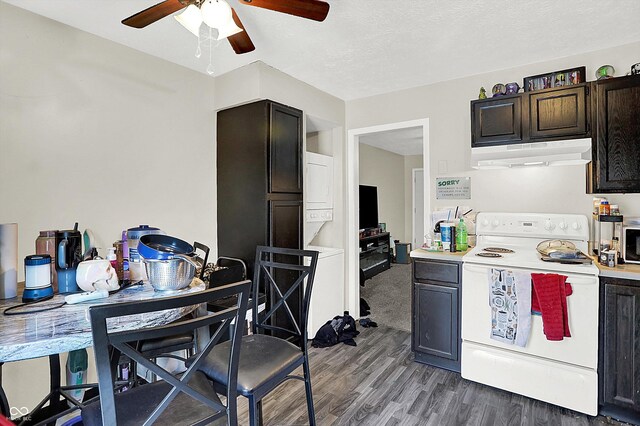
240, 41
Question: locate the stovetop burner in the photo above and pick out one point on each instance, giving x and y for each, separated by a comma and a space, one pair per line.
497, 250
488, 254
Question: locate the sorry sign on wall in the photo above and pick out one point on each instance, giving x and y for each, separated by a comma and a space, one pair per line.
453, 188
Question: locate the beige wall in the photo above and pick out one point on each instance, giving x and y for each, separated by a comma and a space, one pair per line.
385, 170
446, 104
410, 162
94, 132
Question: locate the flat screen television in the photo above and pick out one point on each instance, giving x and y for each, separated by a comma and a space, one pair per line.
368, 207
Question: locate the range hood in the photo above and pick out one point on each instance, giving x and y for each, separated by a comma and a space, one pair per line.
548, 153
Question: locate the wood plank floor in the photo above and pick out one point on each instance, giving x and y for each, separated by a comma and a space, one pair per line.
378, 383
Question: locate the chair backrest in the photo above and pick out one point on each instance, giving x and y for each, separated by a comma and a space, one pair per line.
125, 342
282, 274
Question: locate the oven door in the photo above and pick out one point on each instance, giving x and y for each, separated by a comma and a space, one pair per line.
580, 349
631, 251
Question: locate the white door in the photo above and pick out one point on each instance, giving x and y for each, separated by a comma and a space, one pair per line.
418, 208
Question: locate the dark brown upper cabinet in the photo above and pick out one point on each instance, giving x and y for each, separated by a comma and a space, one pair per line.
496, 121
615, 165
285, 149
558, 113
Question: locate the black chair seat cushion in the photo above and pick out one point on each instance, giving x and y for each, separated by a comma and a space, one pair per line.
164, 343
262, 359
135, 405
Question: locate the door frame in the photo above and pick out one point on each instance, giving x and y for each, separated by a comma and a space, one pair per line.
352, 162
413, 204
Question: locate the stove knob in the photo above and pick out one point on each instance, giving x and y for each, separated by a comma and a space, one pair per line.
575, 226
495, 223
548, 225
563, 225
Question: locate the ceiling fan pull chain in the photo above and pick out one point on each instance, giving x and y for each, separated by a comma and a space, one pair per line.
210, 69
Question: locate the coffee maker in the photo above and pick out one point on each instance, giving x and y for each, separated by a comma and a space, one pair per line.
69, 255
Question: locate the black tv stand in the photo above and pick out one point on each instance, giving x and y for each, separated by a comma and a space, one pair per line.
375, 254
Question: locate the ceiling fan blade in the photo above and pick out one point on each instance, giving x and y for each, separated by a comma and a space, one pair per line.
310, 9
241, 42
155, 13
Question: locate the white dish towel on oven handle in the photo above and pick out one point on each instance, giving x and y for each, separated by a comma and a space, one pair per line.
510, 302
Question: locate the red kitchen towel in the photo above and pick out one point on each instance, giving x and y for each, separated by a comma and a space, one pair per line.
549, 297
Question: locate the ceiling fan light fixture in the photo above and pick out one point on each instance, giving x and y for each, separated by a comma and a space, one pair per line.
191, 19
216, 13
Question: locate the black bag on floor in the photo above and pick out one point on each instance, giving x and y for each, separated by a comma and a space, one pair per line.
339, 329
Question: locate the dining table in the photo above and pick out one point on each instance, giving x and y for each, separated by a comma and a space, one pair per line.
51, 327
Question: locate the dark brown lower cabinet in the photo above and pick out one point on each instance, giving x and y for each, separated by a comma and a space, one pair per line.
619, 367
436, 313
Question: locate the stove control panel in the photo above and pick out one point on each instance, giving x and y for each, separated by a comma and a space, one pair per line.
544, 225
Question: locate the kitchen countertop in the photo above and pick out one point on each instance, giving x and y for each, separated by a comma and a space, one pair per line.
627, 271
438, 255
60, 330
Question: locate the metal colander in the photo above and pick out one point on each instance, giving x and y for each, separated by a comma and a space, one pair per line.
170, 274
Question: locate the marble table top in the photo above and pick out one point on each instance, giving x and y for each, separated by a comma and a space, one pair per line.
68, 328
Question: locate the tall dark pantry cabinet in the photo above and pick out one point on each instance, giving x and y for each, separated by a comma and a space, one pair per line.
259, 173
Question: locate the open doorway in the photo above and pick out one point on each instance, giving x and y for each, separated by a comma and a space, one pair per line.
395, 212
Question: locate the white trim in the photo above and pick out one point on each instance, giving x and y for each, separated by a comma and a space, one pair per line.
352, 251
414, 242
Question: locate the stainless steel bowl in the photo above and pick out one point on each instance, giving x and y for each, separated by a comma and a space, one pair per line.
170, 274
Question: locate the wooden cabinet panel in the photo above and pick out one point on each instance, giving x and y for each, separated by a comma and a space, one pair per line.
435, 309
616, 162
496, 121
437, 271
619, 351
558, 113
285, 149
436, 330
285, 222
622, 346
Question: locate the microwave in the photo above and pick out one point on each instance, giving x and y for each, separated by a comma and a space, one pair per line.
631, 244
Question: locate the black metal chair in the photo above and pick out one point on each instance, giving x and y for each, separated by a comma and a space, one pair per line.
187, 399
265, 360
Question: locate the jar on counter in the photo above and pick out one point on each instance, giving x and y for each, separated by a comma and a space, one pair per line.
615, 210
46, 244
605, 209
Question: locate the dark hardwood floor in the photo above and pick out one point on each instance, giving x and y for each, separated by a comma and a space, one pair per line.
378, 383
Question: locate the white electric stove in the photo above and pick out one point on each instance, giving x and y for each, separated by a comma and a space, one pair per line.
559, 372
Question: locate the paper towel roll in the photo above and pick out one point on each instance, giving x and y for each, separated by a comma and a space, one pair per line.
8, 260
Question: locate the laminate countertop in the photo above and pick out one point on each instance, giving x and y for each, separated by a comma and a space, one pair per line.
438, 255
627, 271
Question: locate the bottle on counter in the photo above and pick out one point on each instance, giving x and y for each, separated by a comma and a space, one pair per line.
113, 258
605, 209
125, 256
462, 243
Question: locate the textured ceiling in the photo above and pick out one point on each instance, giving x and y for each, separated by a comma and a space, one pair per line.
368, 47
407, 141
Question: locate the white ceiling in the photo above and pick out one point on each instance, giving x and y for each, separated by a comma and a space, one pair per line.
368, 47
407, 141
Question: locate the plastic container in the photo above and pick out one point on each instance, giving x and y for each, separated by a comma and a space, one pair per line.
77, 364
113, 258
615, 210
37, 271
445, 234
46, 244
462, 237
605, 209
